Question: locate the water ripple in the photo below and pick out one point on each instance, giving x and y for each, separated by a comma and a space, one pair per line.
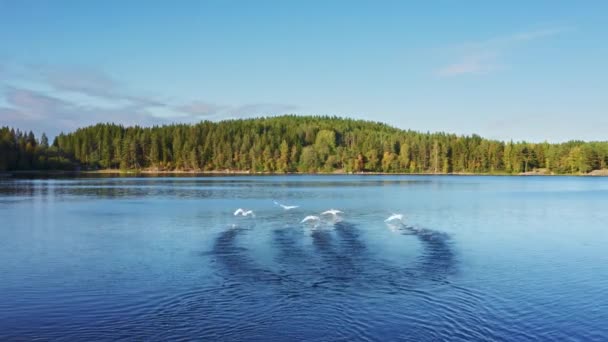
165, 259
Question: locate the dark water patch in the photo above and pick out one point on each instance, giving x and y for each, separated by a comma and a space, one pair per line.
353, 251
330, 264
322, 239
297, 265
350, 239
343, 258
236, 262
438, 259
288, 242
374, 274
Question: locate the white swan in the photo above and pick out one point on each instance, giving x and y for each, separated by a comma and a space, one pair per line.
243, 212
394, 217
333, 212
311, 218
286, 207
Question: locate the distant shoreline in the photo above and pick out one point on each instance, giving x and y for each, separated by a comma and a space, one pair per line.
595, 173
315, 144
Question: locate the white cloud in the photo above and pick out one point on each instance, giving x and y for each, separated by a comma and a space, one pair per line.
485, 56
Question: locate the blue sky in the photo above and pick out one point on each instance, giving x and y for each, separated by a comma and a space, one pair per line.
522, 70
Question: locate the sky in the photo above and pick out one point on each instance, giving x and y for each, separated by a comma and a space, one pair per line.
509, 70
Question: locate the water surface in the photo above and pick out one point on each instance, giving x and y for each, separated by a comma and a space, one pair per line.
477, 258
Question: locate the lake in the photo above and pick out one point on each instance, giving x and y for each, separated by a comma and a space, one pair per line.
164, 258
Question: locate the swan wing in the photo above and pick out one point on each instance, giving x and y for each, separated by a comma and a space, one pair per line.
394, 217
310, 218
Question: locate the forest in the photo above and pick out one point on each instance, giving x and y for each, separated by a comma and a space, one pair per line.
289, 144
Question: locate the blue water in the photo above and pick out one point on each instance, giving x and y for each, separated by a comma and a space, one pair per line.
477, 258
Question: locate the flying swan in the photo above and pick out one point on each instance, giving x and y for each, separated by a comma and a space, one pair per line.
243, 212
394, 217
333, 212
311, 218
286, 207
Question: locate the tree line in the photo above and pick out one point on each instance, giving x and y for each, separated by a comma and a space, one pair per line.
22, 151
290, 143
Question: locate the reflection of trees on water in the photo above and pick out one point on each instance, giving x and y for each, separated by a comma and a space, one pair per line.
176, 187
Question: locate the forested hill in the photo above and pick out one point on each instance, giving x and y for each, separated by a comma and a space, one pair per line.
292, 144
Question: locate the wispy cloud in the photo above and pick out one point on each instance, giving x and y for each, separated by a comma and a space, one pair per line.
200, 108
10, 114
210, 111
532, 35
49, 99
31, 108
92, 83
257, 109
485, 56
36, 103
